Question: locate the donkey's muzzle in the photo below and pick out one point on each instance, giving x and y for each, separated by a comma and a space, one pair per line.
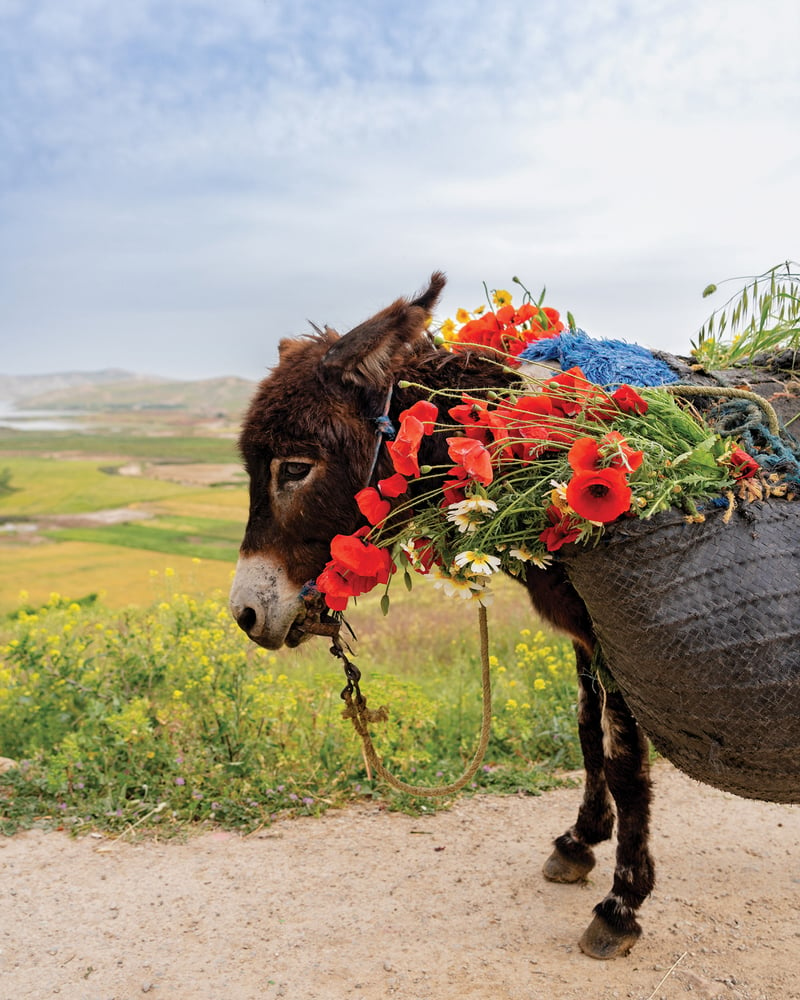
265, 604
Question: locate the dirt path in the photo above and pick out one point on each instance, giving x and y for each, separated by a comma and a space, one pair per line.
372, 905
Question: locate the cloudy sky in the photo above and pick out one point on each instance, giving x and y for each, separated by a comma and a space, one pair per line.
183, 182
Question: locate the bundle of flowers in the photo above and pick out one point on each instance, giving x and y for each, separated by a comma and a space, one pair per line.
506, 329
530, 469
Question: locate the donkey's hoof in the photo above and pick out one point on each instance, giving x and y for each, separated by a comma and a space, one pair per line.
601, 940
561, 868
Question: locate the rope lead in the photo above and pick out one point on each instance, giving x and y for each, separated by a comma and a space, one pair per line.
362, 716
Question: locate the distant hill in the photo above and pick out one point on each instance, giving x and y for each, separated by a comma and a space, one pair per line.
15, 388
95, 392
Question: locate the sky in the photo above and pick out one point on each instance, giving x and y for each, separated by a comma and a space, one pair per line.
185, 182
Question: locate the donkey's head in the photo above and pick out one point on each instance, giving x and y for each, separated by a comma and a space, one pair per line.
309, 443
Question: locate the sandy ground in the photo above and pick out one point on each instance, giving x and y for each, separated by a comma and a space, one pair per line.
368, 904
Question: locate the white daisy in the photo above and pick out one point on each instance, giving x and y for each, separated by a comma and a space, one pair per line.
478, 562
466, 514
525, 555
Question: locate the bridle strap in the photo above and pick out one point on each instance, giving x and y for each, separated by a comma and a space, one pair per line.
385, 431
384, 428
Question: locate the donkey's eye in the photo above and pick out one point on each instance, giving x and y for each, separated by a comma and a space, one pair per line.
293, 472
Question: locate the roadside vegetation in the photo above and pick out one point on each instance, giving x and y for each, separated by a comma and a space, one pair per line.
164, 715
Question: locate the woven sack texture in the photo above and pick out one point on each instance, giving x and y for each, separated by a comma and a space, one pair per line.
699, 625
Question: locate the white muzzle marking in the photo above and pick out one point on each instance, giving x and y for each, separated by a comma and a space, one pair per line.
264, 602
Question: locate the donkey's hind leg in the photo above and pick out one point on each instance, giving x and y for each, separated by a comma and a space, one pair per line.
614, 929
573, 857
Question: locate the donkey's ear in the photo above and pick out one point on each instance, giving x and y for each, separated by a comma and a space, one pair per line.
369, 354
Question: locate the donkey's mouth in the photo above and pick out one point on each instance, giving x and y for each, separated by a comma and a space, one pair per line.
296, 635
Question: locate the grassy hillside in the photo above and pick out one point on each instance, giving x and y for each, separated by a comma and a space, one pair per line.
228, 396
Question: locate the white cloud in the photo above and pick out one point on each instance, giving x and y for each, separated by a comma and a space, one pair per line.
212, 175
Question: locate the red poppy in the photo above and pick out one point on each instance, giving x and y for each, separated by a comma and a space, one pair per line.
412, 430
372, 506
568, 392
424, 411
338, 584
509, 330
404, 458
423, 554
358, 555
629, 400
562, 529
611, 451
472, 457
526, 312
533, 428
335, 587
525, 409
744, 465
356, 568
599, 495
619, 455
551, 321
453, 489
415, 422
476, 417
584, 455
393, 486
405, 446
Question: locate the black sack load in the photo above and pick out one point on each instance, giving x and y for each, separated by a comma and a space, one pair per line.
699, 625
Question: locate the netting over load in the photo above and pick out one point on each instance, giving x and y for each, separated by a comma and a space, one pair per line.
699, 625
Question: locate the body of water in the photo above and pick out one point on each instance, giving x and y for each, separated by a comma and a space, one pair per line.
38, 420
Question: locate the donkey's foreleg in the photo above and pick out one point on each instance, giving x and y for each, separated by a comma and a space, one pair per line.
573, 857
614, 928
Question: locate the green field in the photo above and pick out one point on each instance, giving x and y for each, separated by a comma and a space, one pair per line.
202, 538
166, 448
57, 538
52, 486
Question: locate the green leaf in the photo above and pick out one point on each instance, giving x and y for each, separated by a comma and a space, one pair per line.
764, 315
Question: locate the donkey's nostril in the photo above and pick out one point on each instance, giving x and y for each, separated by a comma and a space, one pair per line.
246, 620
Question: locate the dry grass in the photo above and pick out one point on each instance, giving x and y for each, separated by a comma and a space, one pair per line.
122, 577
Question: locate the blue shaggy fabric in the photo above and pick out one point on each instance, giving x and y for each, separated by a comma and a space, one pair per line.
604, 362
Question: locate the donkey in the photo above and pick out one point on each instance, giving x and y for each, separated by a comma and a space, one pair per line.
309, 444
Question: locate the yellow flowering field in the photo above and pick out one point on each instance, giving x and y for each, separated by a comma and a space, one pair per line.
164, 714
